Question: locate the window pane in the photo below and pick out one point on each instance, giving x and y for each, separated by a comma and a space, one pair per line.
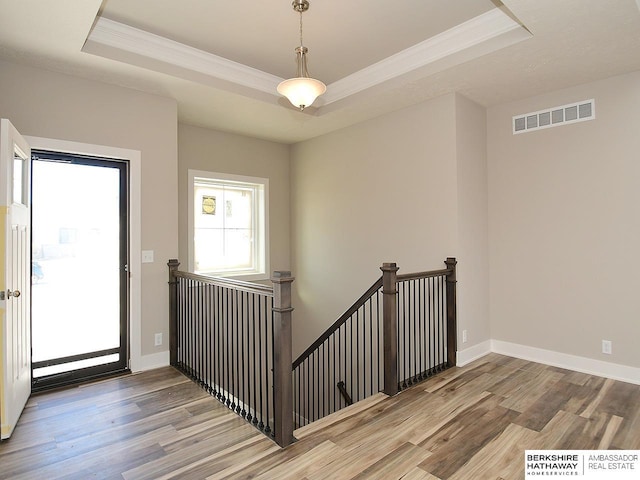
18, 179
238, 208
209, 249
208, 204
238, 249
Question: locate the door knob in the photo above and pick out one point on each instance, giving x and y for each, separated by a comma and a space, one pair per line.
15, 293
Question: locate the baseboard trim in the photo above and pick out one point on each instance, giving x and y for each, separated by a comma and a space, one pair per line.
475, 352
590, 366
149, 362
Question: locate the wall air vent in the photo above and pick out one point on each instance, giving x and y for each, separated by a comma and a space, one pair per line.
555, 116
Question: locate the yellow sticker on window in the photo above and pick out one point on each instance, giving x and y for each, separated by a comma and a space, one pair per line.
208, 205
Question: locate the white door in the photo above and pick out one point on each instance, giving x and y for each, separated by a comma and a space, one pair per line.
15, 276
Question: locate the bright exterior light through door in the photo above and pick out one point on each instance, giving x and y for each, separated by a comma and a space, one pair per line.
79, 252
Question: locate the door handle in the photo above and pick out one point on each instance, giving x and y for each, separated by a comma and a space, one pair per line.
15, 293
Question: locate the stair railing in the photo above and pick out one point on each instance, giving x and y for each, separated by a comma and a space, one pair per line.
234, 339
401, 331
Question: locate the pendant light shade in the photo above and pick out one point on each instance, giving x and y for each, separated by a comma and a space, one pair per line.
301, 90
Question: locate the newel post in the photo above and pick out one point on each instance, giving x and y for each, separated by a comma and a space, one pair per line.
173, 311
282, 358
390, 327
452, 328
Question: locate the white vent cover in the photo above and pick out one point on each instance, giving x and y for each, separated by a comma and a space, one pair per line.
555, 116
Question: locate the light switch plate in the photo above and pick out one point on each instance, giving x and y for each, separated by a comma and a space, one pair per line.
147, 256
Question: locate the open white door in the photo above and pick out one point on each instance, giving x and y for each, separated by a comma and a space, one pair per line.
15, 276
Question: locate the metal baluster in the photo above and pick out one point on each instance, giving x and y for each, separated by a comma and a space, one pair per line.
199, 341
259, 410
429, 323
344, 353
220, 351
234, 350
211, 346
299, 407
338, 354
437, 336
180, 335
406, 350
443, 320
313, 386
416, 336
205, 341
357, 365
320, 382
194, 331
400, 333
324, 380
190, 334
187, 316
370, 302
268, 359
214, 345
297, 398
333, 378
230, 368
379, 346
224, 330
422, 329
255, 387
352, 357
242, 356
179, 325
310, 388
183, 353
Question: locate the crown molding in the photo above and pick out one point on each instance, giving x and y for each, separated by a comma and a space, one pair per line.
480, 29
139, 42
494, 25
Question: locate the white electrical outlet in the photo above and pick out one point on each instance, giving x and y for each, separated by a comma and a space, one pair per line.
158, 339
464, 336
606, 347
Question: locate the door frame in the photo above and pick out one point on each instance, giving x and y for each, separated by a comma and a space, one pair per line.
135, 262
77, 374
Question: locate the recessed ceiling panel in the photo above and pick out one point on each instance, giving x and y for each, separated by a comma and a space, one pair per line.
342, 36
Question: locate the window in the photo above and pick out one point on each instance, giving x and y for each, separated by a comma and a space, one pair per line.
228, 225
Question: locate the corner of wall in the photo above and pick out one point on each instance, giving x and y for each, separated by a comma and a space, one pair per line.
472, 223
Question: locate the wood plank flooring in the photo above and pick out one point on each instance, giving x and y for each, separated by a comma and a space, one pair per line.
467, 423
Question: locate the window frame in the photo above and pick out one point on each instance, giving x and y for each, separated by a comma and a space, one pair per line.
261, 265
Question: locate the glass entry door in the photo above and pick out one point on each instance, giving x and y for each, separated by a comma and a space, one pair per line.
79, 273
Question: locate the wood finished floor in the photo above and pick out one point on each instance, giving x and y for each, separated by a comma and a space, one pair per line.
466, 423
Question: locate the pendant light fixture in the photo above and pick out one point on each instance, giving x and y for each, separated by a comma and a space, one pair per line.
301, 90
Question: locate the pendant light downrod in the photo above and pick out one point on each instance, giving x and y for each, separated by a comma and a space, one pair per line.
301, 90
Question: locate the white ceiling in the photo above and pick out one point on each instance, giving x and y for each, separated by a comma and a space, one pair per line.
221, 60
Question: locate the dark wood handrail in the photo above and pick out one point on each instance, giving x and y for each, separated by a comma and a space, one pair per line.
419, 275
230, 283
338, 323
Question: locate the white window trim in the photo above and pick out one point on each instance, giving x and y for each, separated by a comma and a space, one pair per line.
190, 214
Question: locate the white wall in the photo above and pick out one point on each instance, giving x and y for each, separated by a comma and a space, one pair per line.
51, 105
473, 230
214, 151
564, 228
380, 191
